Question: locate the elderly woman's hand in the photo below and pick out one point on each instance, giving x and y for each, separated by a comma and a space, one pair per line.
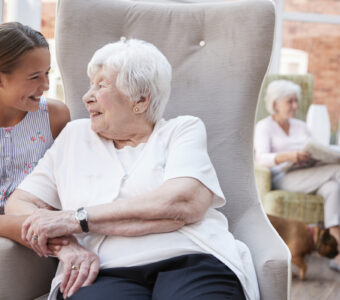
302, 156
45, 224
80, 266
296, 157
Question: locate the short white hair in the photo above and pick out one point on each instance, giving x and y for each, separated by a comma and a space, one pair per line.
141, 69
279, 90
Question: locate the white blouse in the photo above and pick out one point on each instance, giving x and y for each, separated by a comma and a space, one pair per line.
145, 249
270, 139
83, 169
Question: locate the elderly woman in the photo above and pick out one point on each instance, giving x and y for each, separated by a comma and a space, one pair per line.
279, 139
136, 195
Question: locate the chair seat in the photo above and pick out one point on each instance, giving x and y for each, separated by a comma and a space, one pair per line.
302, 207
306, 208
24, 275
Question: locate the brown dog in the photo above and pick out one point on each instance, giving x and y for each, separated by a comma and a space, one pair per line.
302, 239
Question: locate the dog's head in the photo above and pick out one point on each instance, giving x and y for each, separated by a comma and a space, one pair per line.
325, 243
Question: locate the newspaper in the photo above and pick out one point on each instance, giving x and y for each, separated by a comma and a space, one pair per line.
320, 154
323, 153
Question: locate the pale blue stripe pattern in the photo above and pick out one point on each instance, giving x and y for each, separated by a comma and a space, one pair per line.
21, 147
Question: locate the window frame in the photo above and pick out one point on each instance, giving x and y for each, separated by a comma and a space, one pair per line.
2, 6
281, 16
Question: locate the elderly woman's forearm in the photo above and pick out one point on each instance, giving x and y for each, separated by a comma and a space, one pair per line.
183, 200
129, 228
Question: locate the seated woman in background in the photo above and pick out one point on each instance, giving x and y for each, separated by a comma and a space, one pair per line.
279, 139
28, 122
137, 194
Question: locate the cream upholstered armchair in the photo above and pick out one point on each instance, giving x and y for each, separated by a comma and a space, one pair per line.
220, 52
302, 207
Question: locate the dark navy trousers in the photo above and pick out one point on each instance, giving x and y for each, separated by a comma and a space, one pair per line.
186, 277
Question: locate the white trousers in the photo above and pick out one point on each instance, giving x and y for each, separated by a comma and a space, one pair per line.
324, 180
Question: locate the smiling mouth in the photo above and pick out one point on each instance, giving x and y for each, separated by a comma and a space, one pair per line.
95, 114
34, 98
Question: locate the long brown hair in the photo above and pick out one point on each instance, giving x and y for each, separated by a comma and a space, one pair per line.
15, 40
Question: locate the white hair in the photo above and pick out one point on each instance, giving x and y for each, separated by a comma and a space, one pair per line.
279, 90
141, 69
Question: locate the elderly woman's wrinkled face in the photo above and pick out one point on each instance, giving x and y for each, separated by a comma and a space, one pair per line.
111, 111
286, 108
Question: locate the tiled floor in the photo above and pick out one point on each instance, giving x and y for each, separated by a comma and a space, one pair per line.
321, 283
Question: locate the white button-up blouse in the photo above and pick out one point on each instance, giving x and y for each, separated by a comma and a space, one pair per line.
83, 169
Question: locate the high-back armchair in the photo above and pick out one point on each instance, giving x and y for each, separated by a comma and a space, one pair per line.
219, 51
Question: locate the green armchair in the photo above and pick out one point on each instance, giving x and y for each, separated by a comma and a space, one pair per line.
302, 207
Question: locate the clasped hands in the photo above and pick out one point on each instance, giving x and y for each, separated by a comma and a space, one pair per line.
50, 233
44, 225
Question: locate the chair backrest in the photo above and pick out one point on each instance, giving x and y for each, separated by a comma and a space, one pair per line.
219, 51
305, 82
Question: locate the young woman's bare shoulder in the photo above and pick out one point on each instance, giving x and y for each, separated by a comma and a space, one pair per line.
59, 116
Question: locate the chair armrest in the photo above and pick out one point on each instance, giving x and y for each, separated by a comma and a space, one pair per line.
271, 256
23, 274
263, 180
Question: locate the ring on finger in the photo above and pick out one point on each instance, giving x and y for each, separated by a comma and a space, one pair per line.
74, 267
35, 237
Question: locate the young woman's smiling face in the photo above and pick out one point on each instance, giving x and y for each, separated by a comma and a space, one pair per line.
22, 88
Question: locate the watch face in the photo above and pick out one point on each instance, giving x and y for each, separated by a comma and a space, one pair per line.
81, 215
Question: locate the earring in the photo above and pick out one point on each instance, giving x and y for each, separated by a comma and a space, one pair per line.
136, 109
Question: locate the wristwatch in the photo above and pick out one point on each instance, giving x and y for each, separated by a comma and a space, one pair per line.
81, 216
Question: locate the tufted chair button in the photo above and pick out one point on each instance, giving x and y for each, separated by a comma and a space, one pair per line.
202, 43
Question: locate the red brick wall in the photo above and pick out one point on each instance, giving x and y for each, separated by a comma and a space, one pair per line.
322, 43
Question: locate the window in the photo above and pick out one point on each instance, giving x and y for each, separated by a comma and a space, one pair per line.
308, 41
41, 16
2, 7
293, 61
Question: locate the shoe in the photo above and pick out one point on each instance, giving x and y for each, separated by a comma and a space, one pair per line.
334, 266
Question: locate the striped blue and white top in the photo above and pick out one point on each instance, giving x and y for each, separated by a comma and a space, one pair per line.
21, 146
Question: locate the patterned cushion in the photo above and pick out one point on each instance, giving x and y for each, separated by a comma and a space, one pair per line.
302, 207
306, 208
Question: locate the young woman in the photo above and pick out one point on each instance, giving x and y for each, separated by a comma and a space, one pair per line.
29, 123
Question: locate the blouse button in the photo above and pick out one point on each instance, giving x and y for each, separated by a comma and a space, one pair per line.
8, 158
7, 134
